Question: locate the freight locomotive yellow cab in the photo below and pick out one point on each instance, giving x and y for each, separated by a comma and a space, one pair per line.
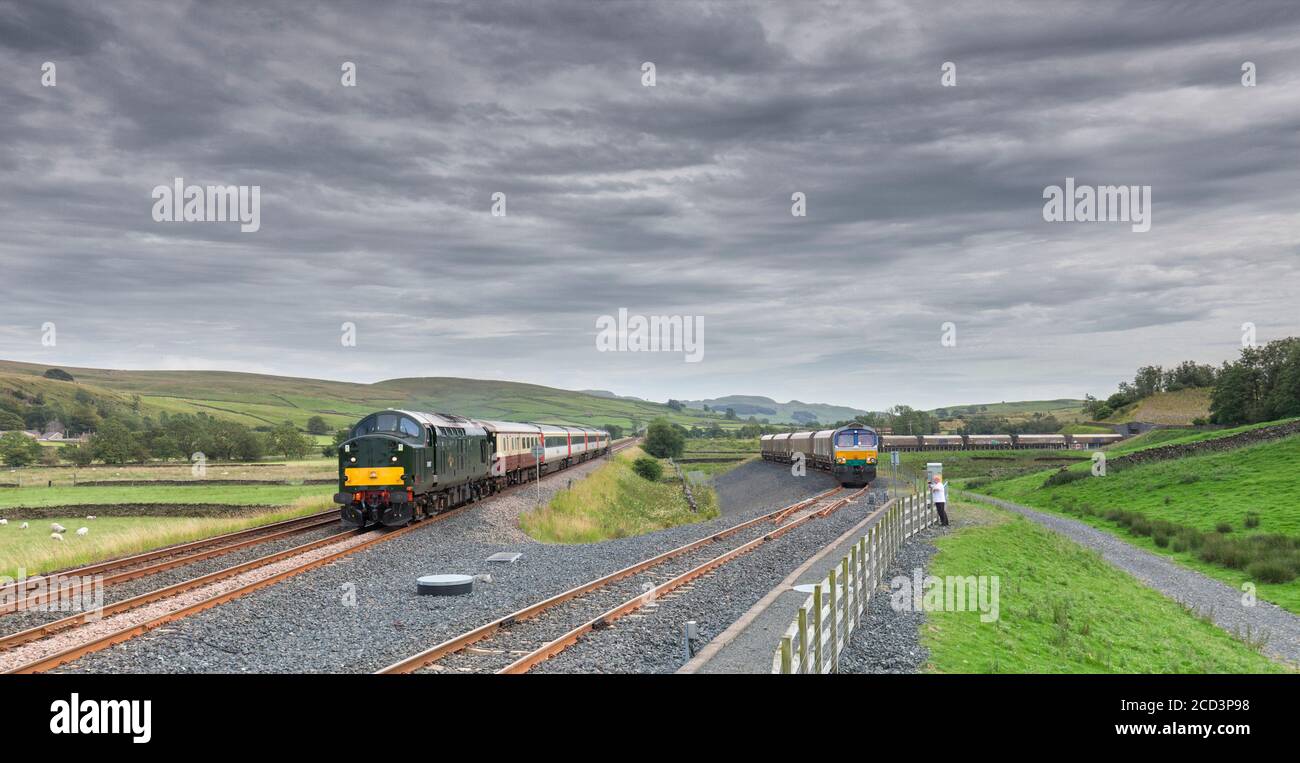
856, 450
848, 453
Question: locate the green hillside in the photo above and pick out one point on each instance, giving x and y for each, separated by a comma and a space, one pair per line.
262, 400
1234, 515
793, 412
1065, 409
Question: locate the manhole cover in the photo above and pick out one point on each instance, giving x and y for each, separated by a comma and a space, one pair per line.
444, 585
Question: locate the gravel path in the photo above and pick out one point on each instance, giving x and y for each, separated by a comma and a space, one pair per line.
650, 641
362, 613
1222, 603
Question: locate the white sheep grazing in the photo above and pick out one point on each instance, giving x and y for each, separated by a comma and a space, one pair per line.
4, 521
92, 516
83, 530
58, 528
23, 526
56, 536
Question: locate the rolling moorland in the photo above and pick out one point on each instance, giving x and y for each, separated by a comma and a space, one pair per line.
257, 400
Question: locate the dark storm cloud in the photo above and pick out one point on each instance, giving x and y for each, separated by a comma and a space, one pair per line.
924, 202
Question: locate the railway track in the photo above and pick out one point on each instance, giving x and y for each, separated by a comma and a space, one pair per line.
59, 642
526, 638
19, 595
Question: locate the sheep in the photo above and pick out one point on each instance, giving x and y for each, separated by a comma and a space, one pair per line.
83, 530
92, 516
56, 536
58, 528
23, 526
4, 521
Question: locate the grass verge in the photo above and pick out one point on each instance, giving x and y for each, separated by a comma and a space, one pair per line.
238, 495
35, 552
1063, 609
614, 502
1248, 492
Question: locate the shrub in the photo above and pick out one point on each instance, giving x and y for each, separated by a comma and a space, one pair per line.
1140, 525
1223, 527
648, 468
1064, 477
58, 373
664, 439
1252, 519
1273, 569
1160, 538
1179, 543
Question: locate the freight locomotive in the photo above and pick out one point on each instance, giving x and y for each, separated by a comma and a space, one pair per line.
397, 466
848, 453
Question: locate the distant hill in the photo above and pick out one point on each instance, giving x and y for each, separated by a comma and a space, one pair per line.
261, 400
1065, 409
793, 412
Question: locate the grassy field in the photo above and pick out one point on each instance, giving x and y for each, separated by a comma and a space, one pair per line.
1216, 494
282, 471
239, 495
977, 466
1062, 609
1180, 407
33, 551
614, 502
260, 400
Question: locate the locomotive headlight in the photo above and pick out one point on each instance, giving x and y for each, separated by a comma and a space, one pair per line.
353, 459
394, 459
839, 460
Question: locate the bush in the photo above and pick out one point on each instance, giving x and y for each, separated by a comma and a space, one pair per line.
1223, 527
648, 468
1274, 569
1140, 525
1065, 477
664, 440
58, 373
1160, 538
1252, 519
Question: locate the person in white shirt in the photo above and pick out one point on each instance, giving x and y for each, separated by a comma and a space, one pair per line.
939, 493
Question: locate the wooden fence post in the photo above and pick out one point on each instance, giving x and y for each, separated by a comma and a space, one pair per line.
803, 639
835, 651
785, 655
817, 628
855, 591
849, 618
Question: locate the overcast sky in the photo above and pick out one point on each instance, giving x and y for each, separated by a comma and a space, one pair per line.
924, 202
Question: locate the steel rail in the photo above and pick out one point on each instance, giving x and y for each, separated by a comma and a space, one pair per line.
125, 634
487, 630
552, 648
7, 591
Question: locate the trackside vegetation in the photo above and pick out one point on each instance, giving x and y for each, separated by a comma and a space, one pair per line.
33, 551
1233, 515
1063, 609
614, 501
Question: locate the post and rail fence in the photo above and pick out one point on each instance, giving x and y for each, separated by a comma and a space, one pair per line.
821, 631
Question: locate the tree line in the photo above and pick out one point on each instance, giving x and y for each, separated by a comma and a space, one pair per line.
122, 439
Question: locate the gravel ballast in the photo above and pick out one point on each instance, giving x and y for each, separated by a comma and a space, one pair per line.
362, 612
30, 618
650, 641
889, 640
